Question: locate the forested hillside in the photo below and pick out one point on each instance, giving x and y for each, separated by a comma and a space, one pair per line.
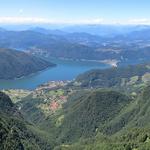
131, 77
107, 117
15, 132
15, 64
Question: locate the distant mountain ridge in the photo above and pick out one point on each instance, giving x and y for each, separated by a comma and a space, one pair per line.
82, 45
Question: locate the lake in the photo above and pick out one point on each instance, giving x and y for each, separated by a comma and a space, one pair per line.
65, 70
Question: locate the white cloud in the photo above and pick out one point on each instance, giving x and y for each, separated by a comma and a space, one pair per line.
23, 20
142, 21
36, 20
28, 20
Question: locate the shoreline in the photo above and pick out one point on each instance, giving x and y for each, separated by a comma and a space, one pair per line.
18, 80
29, 75
111, 62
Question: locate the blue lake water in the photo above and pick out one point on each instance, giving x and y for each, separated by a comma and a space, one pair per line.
65, 70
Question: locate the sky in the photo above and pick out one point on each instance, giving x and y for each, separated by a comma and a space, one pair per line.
75, 11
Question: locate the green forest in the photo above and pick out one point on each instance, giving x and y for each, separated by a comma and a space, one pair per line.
99, 110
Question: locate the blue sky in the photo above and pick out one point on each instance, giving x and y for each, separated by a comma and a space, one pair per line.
75, 11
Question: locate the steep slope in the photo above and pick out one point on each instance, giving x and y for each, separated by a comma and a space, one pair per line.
85, 116
94, 119
5, 102
15, 132
136, 114
15, 64
134, 131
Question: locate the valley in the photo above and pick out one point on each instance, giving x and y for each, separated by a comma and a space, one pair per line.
74, 75
112, 115
74, 91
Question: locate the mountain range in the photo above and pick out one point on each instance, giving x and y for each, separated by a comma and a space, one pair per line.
99, 110
132, 45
